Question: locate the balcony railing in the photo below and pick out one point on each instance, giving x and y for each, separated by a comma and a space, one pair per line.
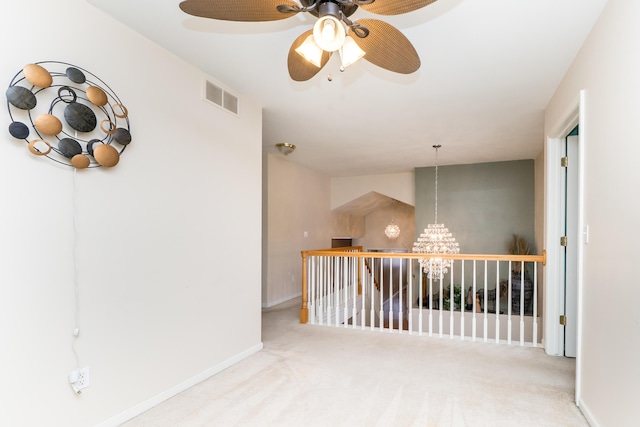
482, 297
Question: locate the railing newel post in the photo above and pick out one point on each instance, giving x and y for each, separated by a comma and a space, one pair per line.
304, 310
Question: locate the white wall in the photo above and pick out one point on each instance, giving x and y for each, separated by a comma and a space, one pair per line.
297, 202
607, 68
165, 270
399, 186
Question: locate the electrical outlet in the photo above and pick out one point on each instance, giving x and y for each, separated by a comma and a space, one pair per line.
79, 379
83, 378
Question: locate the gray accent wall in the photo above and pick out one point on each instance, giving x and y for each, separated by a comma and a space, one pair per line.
481, 204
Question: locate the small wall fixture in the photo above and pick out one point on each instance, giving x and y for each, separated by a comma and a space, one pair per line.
285, 148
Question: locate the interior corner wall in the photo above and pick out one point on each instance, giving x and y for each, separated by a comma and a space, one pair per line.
481, 204
539, 180
298, 219
167, 279
607, 69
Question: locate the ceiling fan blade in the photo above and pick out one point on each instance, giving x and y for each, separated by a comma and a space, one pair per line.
239, 10
300, 69
395, 7
387, 47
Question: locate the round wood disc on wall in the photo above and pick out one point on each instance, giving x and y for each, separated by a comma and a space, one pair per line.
80, 161
106, 155
48, 124
37, 75
97, 96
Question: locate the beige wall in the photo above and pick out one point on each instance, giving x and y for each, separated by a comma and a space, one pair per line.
375, 223
607, 68
297, 201
399, 186
157, 250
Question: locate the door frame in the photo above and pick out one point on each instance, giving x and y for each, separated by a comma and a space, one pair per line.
554, 292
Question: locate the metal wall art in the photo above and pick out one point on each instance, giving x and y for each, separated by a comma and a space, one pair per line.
68, 115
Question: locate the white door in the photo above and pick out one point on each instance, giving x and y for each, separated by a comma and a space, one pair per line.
570, 227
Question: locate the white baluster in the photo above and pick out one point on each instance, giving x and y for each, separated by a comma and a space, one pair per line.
313, 288
440, 307
452, 302
372, 292
462, 301
354, 289
391, 294
401, 307
522, 303
420, 296
410, 295
474, 323
509, 304
535, 304
497, 301
485, 316
430, 299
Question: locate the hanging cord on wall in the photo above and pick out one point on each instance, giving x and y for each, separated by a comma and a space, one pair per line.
76, 284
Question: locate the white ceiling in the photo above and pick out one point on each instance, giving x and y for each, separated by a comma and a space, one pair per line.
489, 68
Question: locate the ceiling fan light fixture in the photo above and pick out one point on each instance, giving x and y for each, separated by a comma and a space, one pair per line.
328, 31
310, 51
350, 52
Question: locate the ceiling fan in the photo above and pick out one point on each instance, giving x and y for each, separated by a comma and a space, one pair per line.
378, 42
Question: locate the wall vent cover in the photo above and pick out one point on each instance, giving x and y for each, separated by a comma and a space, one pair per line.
217, 95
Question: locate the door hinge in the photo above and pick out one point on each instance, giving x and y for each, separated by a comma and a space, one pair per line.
563, 320
564, 241
564, 162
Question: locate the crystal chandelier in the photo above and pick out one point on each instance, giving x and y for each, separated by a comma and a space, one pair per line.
436, 240
392, 231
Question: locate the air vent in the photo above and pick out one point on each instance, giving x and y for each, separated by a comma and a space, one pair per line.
217, 95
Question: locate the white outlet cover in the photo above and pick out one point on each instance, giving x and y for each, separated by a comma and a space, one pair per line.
83, 378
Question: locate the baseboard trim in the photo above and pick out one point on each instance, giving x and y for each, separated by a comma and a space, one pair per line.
280, 301
167, 394
587, 414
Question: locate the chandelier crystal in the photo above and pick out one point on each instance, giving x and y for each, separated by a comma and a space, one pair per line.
436, 240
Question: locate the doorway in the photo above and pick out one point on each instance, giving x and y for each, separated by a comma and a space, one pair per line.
559, 340
569, 253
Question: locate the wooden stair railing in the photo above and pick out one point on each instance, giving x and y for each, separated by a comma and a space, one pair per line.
304, 310
356, 251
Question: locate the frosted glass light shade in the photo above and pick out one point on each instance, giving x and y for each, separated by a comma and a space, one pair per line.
350, 52
329, 33
310, 51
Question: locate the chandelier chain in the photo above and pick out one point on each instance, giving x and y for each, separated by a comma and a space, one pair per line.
436, 205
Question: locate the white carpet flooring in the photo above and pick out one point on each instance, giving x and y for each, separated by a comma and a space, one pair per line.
324, 376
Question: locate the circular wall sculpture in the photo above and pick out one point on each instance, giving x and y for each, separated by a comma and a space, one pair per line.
68, 115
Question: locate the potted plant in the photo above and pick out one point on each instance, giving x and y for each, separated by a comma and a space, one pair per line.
457, 298
518, 245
